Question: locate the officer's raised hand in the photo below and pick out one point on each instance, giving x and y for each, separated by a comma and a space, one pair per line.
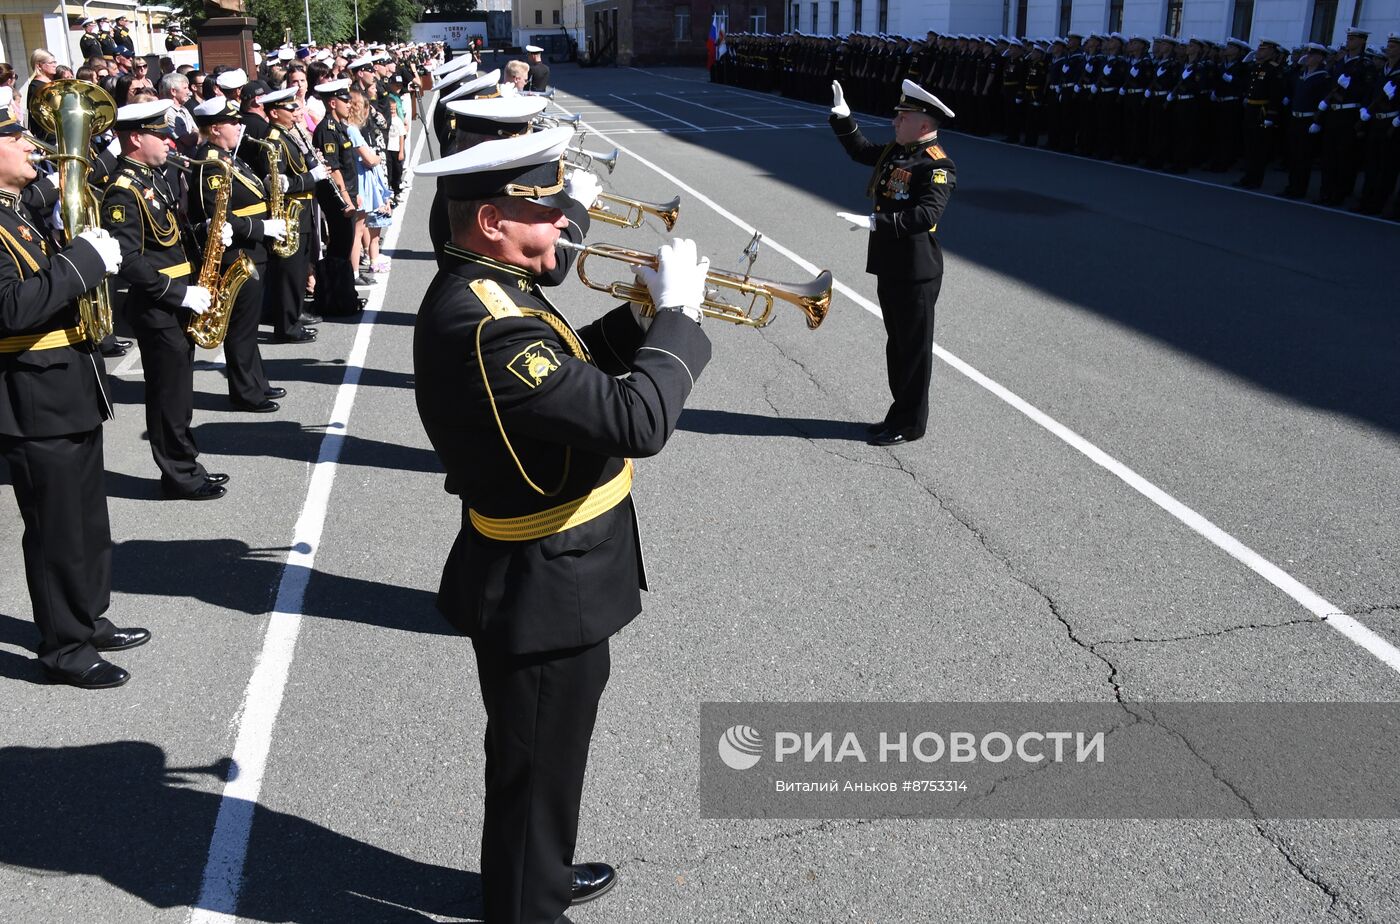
106, 246
677, 283
838, 101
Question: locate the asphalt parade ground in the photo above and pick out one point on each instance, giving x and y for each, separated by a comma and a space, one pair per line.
1161, 465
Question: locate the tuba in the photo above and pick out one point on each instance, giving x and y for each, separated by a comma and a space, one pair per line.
278, 204
812, 298
208, 330
74, 111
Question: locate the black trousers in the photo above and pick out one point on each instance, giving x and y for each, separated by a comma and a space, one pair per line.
1341, 155
335, 279
908, 308
247, 382
284, 284
1302, 151
1382, 164
167, 358
1258, 146
67, 542
540, 711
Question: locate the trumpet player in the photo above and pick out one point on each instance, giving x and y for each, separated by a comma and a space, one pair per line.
53, 400
285, 280
220, 124
535, 423
140, 209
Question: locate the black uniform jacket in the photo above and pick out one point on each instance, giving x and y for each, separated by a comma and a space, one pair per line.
503, 399
247, 205
294, 165
333, 141
910, 188
539, 77
45, 392
90, 45
139, 209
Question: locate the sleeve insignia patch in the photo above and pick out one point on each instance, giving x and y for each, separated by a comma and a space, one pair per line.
330, 147
116, 213
534, 363
215, 182
936, 152
345, 144
940, 177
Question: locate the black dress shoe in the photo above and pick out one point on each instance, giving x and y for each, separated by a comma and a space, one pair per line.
266, 407
275, 391
215, 478
113, 352
101, 676
592, 880
301, 336
308, 317
875, 428
206, 491
122, 639
894, 438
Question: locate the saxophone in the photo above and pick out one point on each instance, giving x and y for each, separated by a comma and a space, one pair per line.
278, 205
209, 329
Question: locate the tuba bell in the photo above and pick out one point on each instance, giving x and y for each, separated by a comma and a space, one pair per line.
74, 111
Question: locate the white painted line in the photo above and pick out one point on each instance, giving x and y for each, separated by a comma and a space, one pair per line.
129, 362
1304, 596
691, 102
228, 847
666, 116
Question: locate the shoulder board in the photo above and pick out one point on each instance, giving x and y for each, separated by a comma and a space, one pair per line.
123, 181
936, 152
495, 299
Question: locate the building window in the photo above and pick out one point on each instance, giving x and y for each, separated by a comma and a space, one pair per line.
835, 17
554, 17
855, 15
796, 17
816, 29
882, 17
721, 18
1115, 15
1021, 17
758, 20
1174, 17
1242, 20
1066, 8
681, 20
539, 17
1324, 20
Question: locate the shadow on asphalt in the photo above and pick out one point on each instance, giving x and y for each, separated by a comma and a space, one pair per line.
116, 811
1292, 306
734, 423
289, 439
229, 574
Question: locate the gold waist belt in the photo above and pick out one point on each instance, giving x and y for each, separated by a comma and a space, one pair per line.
179, 269
248, 210
557, 519
50, 341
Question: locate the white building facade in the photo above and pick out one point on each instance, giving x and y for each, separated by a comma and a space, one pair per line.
1288, 21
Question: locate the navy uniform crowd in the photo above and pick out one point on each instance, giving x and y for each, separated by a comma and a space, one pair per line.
1164, 104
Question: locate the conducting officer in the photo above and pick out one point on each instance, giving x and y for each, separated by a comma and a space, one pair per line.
910, 187
219, 122
53, 400
139, 208
285, 280
335, 282
535, 423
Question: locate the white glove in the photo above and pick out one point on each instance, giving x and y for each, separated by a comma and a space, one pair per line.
1171, 96
1395, 122
1344, 81
1122, 91
838, 101
283, 182
1314, 129
56, 219
861, 222
1365, 114
1322, 106
226, 234
319, 173
106, 246
274, 228
1227, 77
52, 179
583, 187
679, 278
196, 299
1146, 94
1093, 88
1268, 123
1389, 89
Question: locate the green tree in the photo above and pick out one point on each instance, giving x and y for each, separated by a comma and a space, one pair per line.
389, 20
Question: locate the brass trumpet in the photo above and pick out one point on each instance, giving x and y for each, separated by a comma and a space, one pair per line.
543, 121
634, 211
578, 157
812, 298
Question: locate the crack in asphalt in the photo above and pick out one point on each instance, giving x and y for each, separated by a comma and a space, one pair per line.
1212, 633
1374, 608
